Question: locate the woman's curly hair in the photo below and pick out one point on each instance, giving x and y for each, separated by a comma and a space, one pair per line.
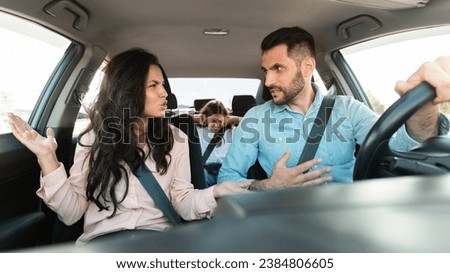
118, 107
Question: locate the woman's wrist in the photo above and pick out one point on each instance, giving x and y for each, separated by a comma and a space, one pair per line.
216, 193
48, 163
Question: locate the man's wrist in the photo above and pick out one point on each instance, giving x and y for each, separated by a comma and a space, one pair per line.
253, 186
260, 185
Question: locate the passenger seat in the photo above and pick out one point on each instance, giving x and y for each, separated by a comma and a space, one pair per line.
172, 105
186, 124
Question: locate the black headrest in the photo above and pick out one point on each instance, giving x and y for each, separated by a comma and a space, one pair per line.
199, 103
241, 104
172, 101
166, 81
266, 93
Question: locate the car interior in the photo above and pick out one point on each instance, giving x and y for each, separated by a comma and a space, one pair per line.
398, 202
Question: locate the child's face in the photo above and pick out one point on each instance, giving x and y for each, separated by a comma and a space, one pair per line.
215, 122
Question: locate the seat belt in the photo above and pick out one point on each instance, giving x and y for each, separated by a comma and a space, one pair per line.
208, 150
321, 121
155, 191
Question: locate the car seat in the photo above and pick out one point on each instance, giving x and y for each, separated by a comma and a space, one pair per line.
199, 103
186, 124
172, 104
241, 104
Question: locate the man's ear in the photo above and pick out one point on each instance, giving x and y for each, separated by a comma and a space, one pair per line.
308, 67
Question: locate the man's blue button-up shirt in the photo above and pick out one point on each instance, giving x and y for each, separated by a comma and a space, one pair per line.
267, 131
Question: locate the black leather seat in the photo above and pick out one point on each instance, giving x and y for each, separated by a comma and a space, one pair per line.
256, 172
199, 103
21, 231
186, 124
241, 103
266, 93
172, 104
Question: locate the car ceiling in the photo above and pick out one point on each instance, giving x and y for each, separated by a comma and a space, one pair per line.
173, 29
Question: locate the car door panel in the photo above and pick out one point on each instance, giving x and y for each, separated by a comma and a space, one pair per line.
20, 215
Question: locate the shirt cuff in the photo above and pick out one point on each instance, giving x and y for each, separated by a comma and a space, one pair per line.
52, 182
403, 141
209, 203
444, 125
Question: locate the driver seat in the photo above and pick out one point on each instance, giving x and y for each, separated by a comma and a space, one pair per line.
186, 124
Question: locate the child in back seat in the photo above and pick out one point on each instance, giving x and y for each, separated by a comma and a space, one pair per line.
215, 131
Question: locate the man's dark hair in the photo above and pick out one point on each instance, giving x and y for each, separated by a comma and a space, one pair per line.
295, 38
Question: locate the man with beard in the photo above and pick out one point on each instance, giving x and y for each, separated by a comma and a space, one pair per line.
276, 132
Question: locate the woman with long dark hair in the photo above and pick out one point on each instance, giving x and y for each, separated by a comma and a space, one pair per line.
127, 130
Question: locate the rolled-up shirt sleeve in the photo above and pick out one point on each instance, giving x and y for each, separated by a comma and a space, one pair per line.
66, 196
403, 142
243, 151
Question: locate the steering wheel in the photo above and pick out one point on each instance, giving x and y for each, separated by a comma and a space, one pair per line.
375, 158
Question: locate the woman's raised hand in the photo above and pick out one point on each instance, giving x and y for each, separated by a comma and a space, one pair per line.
43, 147
38, 144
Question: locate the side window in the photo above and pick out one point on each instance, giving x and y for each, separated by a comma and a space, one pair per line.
82, 119
380, 63
29, 53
